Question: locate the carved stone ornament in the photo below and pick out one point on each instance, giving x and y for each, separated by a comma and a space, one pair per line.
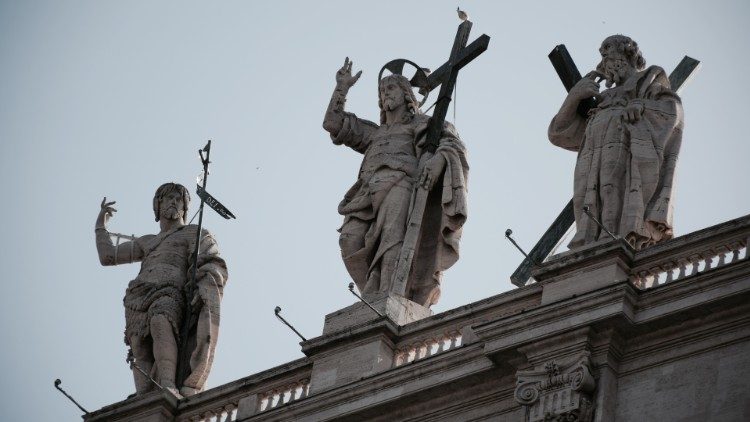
557, 392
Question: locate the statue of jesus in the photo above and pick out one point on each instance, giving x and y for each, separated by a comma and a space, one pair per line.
395, 164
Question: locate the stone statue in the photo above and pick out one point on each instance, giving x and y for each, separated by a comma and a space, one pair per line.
395, 164
162, 301
627, 147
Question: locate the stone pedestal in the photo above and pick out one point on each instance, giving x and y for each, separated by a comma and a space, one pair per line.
585, 269
158, 406
398, 309
357, 342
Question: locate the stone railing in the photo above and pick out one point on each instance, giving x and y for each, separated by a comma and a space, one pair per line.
427, 347
692, 254
248, 396
282, 395
224, 413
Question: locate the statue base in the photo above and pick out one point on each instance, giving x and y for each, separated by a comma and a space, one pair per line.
398, 309
340, 359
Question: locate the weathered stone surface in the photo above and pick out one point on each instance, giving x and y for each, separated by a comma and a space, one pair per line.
169, 318
627, 147
398, 309
588, 268
396, 167
669, 350
155, 406
557, 392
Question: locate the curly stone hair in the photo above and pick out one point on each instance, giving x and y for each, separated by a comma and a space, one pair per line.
412, 104
167, 188
624, 45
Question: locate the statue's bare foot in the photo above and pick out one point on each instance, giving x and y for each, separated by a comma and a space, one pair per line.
174, 392
188, 391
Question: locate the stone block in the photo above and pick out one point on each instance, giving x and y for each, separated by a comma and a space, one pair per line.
247, 407
398, 309
345, 365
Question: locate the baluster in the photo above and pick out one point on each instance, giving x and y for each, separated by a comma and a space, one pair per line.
424, 349
296, 391
708, 258
230, 408
399, 357
260, 406
722, 251
455, 339
643, 279
635, 280
441, 346
431, 343
656, 273
669, 268
695, 259
682, 264
412, 354
736, 250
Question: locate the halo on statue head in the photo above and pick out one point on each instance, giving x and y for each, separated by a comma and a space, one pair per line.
418, 80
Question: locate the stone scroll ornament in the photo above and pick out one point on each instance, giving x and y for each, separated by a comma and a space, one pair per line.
557, 392
404, 215
172, 306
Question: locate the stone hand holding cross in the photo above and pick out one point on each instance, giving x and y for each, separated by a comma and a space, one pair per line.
431, 172
587, 87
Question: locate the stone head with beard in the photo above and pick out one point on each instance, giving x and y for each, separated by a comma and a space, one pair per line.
621, 58
395, 90
171, 202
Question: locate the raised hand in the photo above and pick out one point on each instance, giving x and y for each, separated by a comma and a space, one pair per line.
344, 75
105, 213
587, 87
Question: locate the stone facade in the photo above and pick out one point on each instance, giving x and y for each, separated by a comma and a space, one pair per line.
606, 333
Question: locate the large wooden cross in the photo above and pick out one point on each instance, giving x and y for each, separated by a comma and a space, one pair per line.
569, 75
445, 77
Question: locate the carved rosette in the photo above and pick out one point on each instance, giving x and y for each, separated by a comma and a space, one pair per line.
557, 392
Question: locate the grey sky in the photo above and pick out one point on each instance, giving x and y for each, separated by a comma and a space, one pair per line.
114, 98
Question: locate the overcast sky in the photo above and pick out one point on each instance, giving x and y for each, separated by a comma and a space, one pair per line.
104, 98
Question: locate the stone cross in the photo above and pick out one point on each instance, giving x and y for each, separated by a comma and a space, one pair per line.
569, 75
445, 76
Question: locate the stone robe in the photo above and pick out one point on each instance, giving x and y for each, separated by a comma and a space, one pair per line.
159, 289
377, 207
625, 171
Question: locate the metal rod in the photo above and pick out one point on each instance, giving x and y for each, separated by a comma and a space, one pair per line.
57, 385
131, 360
351, 289
205, 161
591, 216
123, 236
277, 311
189, 317
507, 236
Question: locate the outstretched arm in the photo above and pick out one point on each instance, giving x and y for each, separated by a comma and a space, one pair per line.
109, 254
334, 118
